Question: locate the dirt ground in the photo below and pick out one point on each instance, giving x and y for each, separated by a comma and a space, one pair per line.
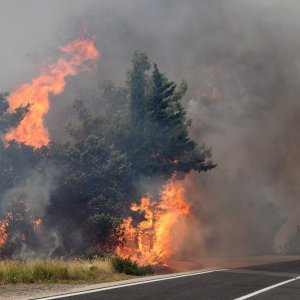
26, 291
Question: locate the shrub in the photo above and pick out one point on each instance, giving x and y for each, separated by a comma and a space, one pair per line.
129, 267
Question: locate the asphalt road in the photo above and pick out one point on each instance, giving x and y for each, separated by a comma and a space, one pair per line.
221, 285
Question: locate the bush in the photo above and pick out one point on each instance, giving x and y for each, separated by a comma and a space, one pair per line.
53, 271
129, 267
70, 271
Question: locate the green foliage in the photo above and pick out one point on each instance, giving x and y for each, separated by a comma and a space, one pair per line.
146, 121
109, 122
10, 119
103, 225
96, 177
129, 267
159, 142
137, 85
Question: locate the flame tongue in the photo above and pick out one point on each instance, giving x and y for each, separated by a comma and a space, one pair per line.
31, 130
153, 241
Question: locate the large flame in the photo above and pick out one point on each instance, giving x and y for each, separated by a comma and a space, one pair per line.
51, 81
155, 240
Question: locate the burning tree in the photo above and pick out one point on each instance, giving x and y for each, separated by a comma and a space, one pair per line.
151, 130
92, 199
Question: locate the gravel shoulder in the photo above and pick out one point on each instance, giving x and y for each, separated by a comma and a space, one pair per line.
27, 291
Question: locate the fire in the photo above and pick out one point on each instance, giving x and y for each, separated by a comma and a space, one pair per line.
3, 233
17, 217
37, 223
3, 228
51, 81
155, 240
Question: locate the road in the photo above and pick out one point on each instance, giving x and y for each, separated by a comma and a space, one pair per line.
282, 280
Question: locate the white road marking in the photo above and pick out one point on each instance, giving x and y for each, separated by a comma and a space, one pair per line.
128, 284
267, 288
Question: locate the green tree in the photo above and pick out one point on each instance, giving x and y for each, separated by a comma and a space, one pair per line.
167, 130
95, 177
110, 122
9, 120
159, 142
137, 85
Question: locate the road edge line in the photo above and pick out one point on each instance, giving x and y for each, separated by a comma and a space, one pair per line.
267, 288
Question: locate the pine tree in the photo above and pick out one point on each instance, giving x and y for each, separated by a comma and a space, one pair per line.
137, 84
167, 135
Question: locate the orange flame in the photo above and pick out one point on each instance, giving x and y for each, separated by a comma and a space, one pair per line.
31, 130
154, 240
37, 223
5, 223
3, 233
3, 228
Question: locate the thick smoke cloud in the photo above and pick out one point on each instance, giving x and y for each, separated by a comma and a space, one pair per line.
241, 60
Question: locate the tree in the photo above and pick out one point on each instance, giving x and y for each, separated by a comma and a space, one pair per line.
95, 178
146, 121
9, 120
110, 122
159, 142
168, 137
137, 85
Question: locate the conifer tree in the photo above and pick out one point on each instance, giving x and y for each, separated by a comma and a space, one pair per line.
137, 84
167, 137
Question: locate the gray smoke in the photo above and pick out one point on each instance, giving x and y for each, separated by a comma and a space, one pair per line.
35, 190
29, 201
241, 60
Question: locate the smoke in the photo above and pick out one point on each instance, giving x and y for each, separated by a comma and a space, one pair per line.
27, 202
35, 190
241, 60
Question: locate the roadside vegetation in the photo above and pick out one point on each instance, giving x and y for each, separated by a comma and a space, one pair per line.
70, 271
129, 267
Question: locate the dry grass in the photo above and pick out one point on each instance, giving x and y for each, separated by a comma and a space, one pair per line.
58, 271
